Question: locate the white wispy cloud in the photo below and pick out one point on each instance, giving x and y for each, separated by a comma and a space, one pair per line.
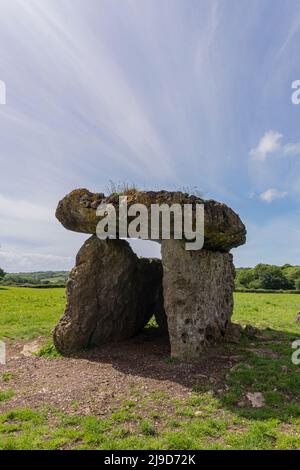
271, 143
270, 194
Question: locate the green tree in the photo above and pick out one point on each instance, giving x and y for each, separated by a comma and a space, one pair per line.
272, 277
244, 276
2, 274
293, 275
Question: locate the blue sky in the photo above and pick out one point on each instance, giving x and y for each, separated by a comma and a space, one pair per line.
161, 93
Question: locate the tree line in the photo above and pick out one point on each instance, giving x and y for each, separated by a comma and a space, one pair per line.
263, 276
40, 278
268, 277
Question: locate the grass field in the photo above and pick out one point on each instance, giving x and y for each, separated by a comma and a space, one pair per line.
26, 313
213, 413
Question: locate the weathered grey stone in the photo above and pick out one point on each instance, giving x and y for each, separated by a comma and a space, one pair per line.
198, 297
108, 297
223, 229
112, 293
233, 333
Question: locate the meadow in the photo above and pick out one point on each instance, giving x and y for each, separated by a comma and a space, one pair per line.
208, 408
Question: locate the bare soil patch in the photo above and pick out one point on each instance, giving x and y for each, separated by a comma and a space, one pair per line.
98, 381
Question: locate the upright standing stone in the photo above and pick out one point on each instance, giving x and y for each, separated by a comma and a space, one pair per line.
198, 296
108, 297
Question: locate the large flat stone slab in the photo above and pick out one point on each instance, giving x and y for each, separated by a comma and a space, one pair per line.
223, 229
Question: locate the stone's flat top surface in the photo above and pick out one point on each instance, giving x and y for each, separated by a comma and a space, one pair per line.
223, 228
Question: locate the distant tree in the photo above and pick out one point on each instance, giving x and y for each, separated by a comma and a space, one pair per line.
267, 276
256, 284
244, 277
293, 275
272, 277
2, 274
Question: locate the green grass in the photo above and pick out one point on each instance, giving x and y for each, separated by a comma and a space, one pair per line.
26, 313
6, 376
28, 429
49, 351
275, 311
147, 428
214, 416
6, 395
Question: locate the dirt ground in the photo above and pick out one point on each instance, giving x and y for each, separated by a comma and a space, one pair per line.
100, 380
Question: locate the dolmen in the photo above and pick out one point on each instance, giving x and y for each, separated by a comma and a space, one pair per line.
112, 293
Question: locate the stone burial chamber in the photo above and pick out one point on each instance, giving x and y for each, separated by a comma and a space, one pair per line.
112, 293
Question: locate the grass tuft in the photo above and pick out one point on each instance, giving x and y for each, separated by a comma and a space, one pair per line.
48, 351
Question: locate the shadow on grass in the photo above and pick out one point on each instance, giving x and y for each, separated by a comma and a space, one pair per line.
3, 288
261, 364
